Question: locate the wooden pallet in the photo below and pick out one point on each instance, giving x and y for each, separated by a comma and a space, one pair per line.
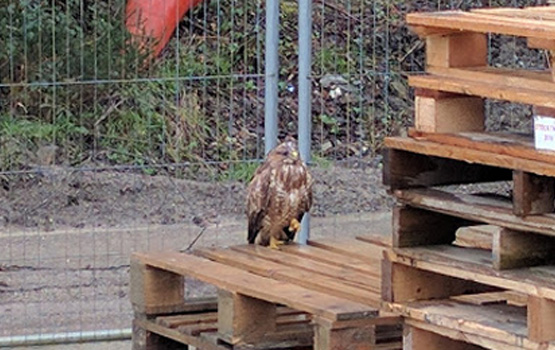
421, 282
302, 296
472, 270
450, 96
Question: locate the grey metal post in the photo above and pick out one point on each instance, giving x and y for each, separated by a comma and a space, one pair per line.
271, 75
305, 96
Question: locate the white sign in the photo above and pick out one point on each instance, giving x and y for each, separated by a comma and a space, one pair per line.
544, 132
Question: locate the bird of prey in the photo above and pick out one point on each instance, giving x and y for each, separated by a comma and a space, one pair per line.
279, 195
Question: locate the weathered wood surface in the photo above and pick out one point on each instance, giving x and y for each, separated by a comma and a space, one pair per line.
532, 194
418, 339
504, 297
477, 236
415, 227
490, 210
445, 51
406, 169
484, 22
476, 265
453, 114
498, 326
508, 144
518, 79
245, 283
258, 260
402, 283
513, 249
470, 155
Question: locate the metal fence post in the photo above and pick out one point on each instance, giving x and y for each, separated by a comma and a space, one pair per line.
271, 75
305, 96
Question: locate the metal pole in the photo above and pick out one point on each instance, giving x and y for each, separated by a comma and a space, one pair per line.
65, 338
305, 96
271, 75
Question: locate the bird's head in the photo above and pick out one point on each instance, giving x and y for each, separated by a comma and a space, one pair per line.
287, 150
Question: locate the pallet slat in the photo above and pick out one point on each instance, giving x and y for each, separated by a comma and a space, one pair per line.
242, 282
500, 326
476, 265
480, 23
494, 211
363, 293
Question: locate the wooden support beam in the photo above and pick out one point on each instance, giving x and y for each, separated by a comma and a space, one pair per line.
478, 236
541, 43
464, 49
143, 339
344, 335
541, 319
414, 227
402, 283
532, 194
453, 114
405, 169
419, 339
513, 249
242, 319
155, 291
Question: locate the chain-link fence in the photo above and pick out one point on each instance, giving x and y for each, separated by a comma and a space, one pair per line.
105, 149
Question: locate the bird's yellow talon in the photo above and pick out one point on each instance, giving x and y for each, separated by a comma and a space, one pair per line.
275, 243
294, 225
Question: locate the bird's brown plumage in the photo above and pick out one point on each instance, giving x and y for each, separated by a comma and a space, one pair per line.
280, 191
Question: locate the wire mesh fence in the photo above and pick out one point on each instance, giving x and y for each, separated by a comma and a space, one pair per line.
105, 150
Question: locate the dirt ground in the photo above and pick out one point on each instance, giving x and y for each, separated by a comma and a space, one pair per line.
66, 237
53, 198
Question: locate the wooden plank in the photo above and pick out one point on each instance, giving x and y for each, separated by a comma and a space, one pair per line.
484, 342
532, 194
355, 278
378, 239
482, 23
452, 50
541, 319
477, 236
403, 283
414, 227
406, 169
418, 339
513, 249
514, 145
328, 257
370, 253
368, 294
504, 297
508, 77
504, 323
469, 155
498, 326
187, 319
461, 113
485, 89
163, 334
155, 291
236, 280
494, 211
541, 13
538, 43
243, 319
360, 337
476, 265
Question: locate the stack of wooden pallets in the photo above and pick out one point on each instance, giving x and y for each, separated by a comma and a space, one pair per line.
471, 270
324, 296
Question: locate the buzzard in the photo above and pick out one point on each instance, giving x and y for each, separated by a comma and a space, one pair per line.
278, 196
